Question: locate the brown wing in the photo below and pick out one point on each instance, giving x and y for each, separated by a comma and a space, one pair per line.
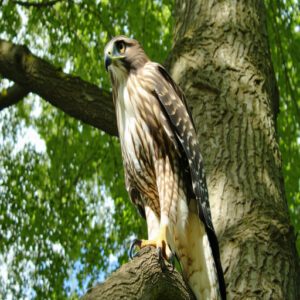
175, 108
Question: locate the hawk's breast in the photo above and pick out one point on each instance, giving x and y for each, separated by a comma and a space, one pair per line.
144, 131
136, 136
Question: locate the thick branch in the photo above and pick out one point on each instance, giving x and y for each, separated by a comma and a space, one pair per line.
76, 97
142, 278
12, 96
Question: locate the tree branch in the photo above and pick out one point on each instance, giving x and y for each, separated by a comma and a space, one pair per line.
36, 4
76, 97
12, 95
142, 278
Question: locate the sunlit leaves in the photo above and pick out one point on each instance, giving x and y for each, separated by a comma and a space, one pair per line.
284, 35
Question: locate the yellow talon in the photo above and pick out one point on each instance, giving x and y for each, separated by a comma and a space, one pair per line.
160, 243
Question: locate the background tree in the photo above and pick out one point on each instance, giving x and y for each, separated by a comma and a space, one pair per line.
65, 218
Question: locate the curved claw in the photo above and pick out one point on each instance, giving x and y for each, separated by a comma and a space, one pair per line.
161, 259
172, 260
135, 242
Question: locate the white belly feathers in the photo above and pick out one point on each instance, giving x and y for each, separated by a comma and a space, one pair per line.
127, 116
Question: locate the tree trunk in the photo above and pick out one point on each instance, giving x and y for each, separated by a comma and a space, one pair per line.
221, 59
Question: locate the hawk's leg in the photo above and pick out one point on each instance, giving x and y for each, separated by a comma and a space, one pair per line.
160, 243
161, 212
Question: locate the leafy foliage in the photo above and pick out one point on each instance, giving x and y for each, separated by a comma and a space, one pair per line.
284, 35
65, 217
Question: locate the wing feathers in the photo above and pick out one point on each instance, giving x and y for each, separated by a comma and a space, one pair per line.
174, 105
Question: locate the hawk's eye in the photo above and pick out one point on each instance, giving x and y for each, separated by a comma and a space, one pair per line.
121, 47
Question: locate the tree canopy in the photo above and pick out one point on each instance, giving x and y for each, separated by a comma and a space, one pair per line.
66, 220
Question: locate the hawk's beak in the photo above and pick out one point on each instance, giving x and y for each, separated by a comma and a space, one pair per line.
110, 57
108, 61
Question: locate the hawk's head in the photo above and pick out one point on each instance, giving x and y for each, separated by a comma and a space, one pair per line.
123, 54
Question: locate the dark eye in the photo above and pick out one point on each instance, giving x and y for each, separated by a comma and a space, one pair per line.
121, 47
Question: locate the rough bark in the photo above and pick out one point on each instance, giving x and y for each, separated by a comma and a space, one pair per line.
142, 278
12, 95
76, 97
221, 59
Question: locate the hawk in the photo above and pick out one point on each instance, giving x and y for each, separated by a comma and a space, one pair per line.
163, 166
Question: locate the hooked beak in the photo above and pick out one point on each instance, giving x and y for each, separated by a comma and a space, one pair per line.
107, 61
110, 57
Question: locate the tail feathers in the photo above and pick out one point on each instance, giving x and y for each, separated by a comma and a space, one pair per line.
197, 260
214, 246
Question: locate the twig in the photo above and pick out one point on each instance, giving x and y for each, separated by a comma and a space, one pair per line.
36, 4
